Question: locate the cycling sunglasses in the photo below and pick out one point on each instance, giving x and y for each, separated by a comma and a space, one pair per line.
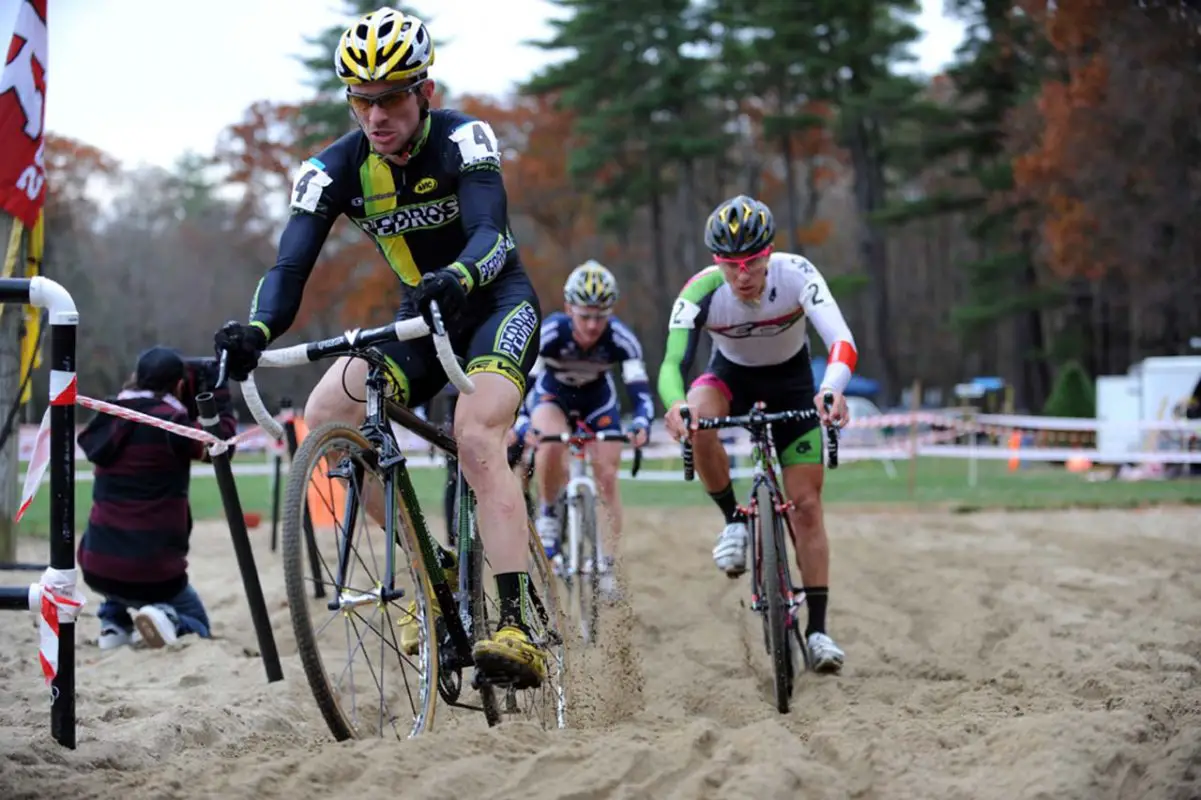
741, 263
388, 101
591, 313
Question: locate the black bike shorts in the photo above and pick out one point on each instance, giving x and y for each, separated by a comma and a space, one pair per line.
496, 332
781, 387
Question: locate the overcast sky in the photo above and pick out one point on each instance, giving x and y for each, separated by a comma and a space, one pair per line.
146, 80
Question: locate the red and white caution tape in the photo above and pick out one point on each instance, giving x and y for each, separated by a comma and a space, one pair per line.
64, 393
58, 601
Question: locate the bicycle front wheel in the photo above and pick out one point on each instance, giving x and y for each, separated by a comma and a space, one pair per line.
547, 704
369, 654
776, 591
583, 562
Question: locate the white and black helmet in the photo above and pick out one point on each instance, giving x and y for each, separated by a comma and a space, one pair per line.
591, 284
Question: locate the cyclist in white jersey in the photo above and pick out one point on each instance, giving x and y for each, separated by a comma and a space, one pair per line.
754, 302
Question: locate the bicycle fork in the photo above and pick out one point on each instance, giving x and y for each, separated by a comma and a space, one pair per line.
795, 597
575, 521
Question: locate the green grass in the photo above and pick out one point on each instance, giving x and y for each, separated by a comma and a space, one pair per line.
940, 483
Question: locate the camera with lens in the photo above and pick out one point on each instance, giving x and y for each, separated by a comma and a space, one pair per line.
200, 376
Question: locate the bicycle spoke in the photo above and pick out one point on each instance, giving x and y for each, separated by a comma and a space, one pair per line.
340, 690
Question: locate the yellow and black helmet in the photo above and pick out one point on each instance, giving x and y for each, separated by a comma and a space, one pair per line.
739, 226
591, 284
384, 45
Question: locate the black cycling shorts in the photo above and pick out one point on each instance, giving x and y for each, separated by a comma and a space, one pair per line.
496, 332
781, 387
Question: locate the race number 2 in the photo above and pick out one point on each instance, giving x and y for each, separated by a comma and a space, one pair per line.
477, 144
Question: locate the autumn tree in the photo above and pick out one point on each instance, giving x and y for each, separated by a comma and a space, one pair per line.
641, 121
1103, 161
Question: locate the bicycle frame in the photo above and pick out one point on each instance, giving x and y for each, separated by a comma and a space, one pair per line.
764, 473
376, 428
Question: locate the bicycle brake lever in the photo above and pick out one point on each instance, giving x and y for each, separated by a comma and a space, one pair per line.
222, 369
689, 468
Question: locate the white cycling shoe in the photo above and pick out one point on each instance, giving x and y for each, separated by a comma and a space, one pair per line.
824, 655
730, 551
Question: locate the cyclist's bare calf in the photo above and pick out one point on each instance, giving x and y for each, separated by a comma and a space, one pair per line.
482, 420
803, 487
329, 402
606, 461
709, 456
549, 465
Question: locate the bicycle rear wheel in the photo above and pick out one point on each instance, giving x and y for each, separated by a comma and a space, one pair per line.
329, 476
583, 563
776, 592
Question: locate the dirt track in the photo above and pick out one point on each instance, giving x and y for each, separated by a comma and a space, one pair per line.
989, 656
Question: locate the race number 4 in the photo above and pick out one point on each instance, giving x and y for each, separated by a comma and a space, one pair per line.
310, 181
477, 144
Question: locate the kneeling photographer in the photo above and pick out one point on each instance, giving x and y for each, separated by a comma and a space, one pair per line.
134, 549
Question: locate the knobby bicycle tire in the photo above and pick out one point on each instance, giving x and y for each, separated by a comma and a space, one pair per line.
293, 555
547, 608
473, 578
775, 553
585, 585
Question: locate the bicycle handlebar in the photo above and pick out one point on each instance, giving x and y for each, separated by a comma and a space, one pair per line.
603, 436
516, 449
349, 343
756, 420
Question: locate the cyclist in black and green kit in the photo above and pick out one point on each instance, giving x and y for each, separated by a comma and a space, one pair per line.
425, 184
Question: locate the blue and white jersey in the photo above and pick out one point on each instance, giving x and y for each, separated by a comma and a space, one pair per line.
563, 363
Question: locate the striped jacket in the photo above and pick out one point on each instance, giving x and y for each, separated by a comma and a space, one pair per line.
140, 522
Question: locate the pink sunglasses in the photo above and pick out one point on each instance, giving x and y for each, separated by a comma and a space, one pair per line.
741, 263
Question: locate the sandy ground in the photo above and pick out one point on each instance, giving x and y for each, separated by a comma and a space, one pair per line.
989, 656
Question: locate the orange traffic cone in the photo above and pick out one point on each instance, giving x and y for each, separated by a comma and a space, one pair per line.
327, 498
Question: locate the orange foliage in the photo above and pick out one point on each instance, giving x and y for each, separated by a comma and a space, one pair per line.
1052, 171
71, 165
815, 234
536, 138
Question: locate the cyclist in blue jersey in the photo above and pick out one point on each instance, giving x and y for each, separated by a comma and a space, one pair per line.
425, 184
579, 348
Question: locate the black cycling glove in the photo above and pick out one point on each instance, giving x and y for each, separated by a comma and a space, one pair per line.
244, 343
446, 286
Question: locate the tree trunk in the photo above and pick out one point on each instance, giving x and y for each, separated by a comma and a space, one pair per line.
790, 192
10, 388
869, 197
689, 259
664, 293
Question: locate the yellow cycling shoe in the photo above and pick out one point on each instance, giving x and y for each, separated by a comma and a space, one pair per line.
410, 633
510, 657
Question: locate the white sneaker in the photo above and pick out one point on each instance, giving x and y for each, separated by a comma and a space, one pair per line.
157, 628
730, 551
824, 655
112, 637
548, 532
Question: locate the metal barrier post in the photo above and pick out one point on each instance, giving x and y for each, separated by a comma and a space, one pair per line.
209, 419
64, 321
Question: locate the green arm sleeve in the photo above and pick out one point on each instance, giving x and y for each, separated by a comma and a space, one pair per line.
677, 359
685, 324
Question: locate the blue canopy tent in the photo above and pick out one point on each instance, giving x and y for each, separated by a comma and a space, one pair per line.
858, 387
